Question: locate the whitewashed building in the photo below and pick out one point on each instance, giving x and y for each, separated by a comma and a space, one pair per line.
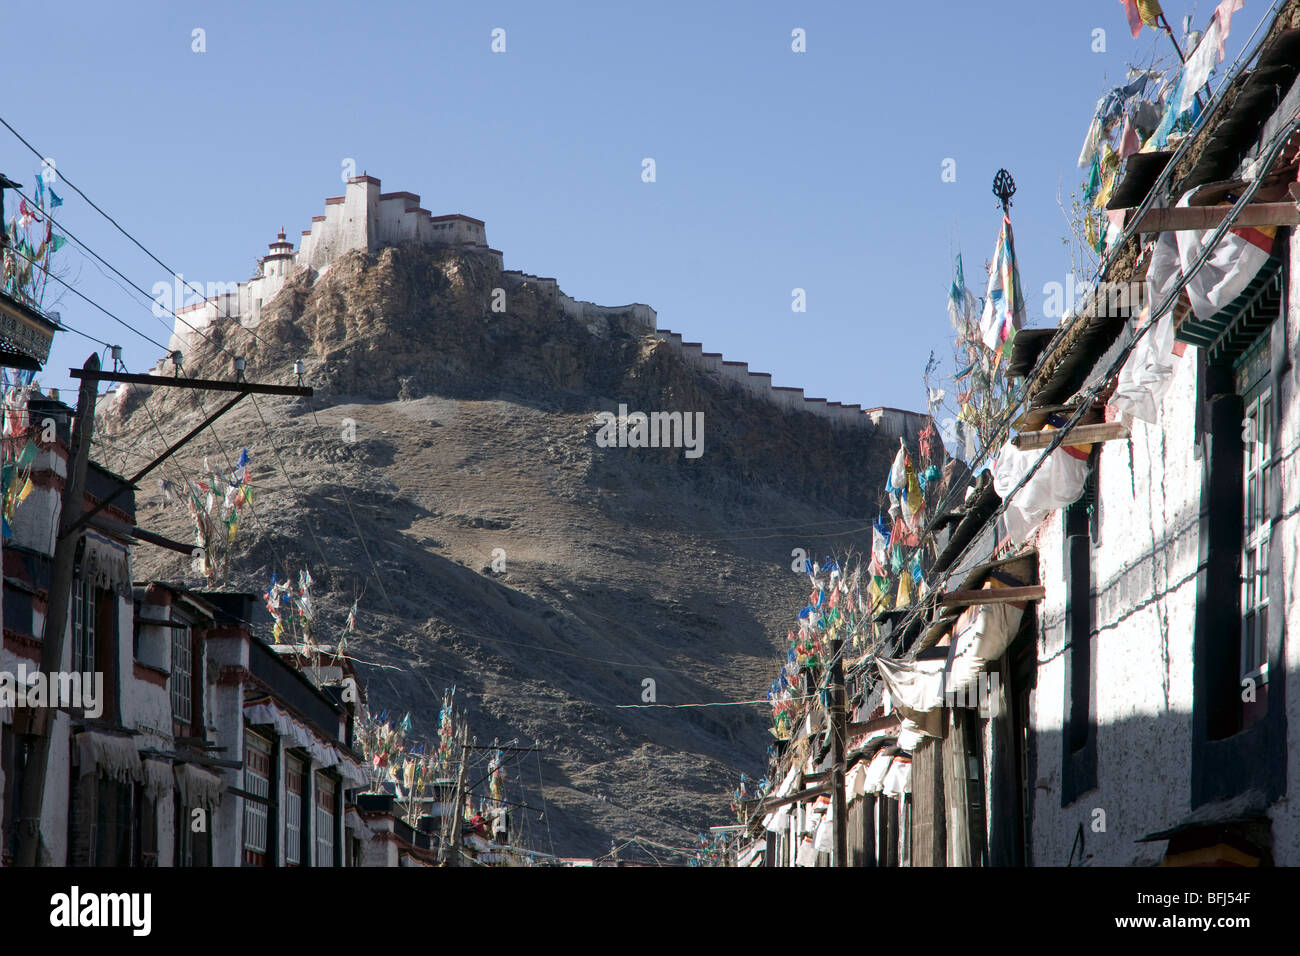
1105, 670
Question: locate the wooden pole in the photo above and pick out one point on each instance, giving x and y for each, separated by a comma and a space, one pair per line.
56, 620
457, 823
839, 741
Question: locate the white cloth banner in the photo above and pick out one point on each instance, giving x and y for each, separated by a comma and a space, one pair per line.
855, 784
1057, 482
1236, 261
877, 771
912, 732
779, 821
824, 840
898, 780
807, 855
1197, 68
1149, 370
914, 687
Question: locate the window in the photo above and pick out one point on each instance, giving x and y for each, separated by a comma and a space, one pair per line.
182, 677
1239, 729
83, 625
1252, 383
324, 820
257, 781
293, 810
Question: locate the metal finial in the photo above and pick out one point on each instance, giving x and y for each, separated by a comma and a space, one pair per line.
1004, 187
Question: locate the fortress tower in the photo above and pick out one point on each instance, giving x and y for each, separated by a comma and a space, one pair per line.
362, 218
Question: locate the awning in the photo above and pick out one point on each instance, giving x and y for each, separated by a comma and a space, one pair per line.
1237, 292
983, 634
914, 687
913, 731
920, 688
898, 780
869, 741
295, 734
1149, 370
778, 820
158, 778
353, 823
876, 772
105, 562
807, 855
855, 784
116, 757
1058, 482
197, 787
824, 838
25, 334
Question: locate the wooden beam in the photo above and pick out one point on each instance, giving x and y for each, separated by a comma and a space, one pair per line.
775, 803
868, 726
1211, 217
206, 384
1033, 592
1078, 435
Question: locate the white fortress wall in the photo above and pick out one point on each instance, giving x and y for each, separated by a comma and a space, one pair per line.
364, 218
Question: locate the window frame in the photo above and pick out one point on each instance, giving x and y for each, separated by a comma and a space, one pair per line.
1258, 473
181, 683
325, 803
257, 813
293, 805
84, 624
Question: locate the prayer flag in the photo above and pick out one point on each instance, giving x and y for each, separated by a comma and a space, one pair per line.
1004, 306
1141, 12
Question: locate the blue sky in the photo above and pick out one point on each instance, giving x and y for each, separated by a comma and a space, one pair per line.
775, 170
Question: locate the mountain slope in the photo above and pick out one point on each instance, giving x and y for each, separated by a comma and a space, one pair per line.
474, 431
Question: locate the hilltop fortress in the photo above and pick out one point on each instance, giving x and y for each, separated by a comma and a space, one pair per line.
364, 218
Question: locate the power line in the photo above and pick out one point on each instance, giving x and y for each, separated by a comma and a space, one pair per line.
79, 294
73, 186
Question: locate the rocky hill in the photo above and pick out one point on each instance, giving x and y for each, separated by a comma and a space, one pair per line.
475, 430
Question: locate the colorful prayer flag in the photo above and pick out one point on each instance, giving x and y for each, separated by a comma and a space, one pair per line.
1140, 12
1004, 306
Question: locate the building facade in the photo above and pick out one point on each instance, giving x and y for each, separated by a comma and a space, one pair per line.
1103, 671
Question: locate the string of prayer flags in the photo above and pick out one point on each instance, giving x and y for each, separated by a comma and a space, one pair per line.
446, 729
1004, 305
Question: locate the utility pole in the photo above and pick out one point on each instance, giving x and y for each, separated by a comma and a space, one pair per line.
71, 522
457, 822
56, 618
839, 733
